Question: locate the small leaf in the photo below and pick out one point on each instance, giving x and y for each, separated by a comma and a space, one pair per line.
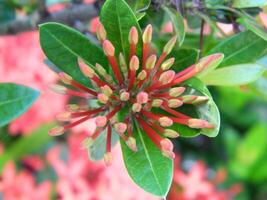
63, 45
249, 3
178, 23
148, 167
27, 145
97, 150
139, 7
234, 75
118, 18
245, 47
14, 101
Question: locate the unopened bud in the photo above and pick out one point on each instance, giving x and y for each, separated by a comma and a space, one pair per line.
86, 143
169, 46
167, 77
65, 78
166, 145
65, 116
108, 159
72, 107
170, 133
176, 91
157, 103
174, 103
169, 154
100, 121
101, 33
107, 90
165, 121
102, 98
120, 128
142, 98
134, 63
200, 99
123, 63
188, 98
58, 89
133, 36
131, 143
56, 131
167, 64
124, 96
136, 107
142, 75
199, 123
86, 70
147, 35
108, 48
151, 61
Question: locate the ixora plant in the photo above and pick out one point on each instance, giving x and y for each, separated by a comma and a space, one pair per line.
134, 92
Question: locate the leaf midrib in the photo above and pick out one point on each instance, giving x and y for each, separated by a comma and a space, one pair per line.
120, 30
15, 100
148, 158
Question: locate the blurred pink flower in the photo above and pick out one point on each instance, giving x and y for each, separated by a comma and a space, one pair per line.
93, 24
21, 61
195, 184
22, 186
263, 17
82, 179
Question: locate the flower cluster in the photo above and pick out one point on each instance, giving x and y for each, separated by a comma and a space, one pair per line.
139, 86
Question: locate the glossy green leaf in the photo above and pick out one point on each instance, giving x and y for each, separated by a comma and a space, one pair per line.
139, 7
184, 58
245, 47
118, 18
178, 23
97, 150
234, 75
148, 167
207, 111
27, 145
249, 3
14, 101
63, 45
251, 24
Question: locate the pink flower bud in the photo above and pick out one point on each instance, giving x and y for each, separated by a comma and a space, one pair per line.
199, 123
120, 128
174, 103
142, 98
151, 61
65, 116
142, 75
147, 35
166, 145
56, 131
107, 90
100, 121
124, 96
176, 91
102, 98
86, 70
108, 48
131, 143
58, 89
167, 77
134, 63
136, 107
133, 36
101, 32
169, 46
165, 121
65, 78
157, 103
167, 64
170, 133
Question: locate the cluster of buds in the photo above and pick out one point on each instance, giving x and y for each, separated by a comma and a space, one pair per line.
139, 84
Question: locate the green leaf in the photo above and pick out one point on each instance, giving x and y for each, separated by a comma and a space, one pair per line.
63, 45
26, 145
148, 167
14, 101
118, 18
97, 150
139, 7
178, 23
184, 58
249, 3
234, 75
250, 23
207, 111
245, 47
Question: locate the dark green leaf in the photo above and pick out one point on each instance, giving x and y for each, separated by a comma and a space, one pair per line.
148, 167
178, 23
14, 101
118, 18
7, 12
63, 45
245, 47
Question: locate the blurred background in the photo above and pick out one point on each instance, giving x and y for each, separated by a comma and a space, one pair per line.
34, 165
